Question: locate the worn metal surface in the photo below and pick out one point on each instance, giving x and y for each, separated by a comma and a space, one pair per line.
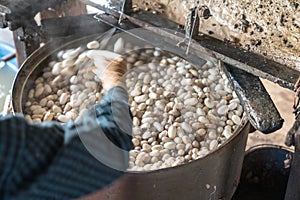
250, 62
25, 44
19, 17
260, 109
71, 25
21, 13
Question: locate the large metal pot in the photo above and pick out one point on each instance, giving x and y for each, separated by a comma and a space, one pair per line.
215, 176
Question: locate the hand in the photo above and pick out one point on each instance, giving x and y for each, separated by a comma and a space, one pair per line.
109, 67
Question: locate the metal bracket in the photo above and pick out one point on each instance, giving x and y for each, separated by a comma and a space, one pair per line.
260, 109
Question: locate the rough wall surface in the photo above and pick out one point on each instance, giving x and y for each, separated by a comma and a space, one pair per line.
268, 27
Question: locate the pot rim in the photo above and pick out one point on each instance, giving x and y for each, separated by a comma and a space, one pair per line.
269, 146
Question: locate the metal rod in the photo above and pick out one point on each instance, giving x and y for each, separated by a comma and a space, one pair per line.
8, 57
192, 31
126, 8
121, 11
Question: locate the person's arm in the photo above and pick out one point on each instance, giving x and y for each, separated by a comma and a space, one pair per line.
111, 116
26, 150
36, 164
109, 122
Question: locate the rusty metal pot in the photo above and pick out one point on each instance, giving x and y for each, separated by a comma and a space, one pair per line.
215, 176
265, 173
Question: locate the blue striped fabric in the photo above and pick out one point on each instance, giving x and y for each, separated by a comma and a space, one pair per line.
36, 162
